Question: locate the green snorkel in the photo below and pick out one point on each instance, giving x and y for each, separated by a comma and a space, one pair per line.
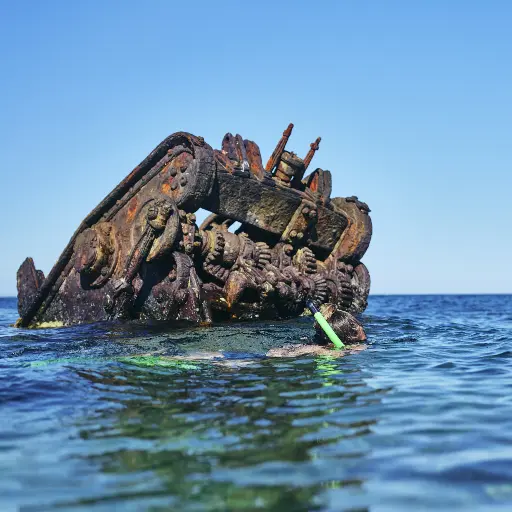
322, 322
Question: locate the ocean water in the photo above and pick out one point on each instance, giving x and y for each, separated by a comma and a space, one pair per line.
420, 420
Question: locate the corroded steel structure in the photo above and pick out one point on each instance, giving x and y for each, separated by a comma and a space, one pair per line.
141, 255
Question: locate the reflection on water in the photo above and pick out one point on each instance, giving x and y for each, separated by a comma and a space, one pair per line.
419, 420
236, 437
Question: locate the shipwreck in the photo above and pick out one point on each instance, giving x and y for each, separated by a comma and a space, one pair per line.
274, 239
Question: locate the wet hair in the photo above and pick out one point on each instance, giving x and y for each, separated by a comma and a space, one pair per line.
344, 324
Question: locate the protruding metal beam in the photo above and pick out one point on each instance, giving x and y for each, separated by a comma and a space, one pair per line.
311, 153
276, 155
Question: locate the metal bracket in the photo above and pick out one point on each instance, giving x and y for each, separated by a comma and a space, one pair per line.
301, 222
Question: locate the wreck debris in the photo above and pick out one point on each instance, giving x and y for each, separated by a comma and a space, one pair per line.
276, 155
141, 255
315, 146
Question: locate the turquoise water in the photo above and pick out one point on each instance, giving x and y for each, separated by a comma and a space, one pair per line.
422, 419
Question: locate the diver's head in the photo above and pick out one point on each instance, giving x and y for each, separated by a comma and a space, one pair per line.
344, 324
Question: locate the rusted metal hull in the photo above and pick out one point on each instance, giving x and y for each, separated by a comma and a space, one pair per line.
141, 255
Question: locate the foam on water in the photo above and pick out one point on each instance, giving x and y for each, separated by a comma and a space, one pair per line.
421, 419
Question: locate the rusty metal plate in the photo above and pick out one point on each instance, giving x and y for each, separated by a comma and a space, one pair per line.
248, 200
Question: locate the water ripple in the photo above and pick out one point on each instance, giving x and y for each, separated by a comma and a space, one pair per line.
421, 419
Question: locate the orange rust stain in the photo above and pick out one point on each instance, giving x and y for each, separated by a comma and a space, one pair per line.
132, 209
165, 187
314, 184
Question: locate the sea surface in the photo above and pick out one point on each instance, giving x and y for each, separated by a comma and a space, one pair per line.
421, 420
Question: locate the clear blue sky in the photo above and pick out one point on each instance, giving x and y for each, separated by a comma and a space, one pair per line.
413, 101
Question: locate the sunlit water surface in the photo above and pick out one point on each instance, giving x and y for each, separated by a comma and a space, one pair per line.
420, 420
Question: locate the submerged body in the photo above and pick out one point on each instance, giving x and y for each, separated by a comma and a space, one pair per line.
141, 255
291, 350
